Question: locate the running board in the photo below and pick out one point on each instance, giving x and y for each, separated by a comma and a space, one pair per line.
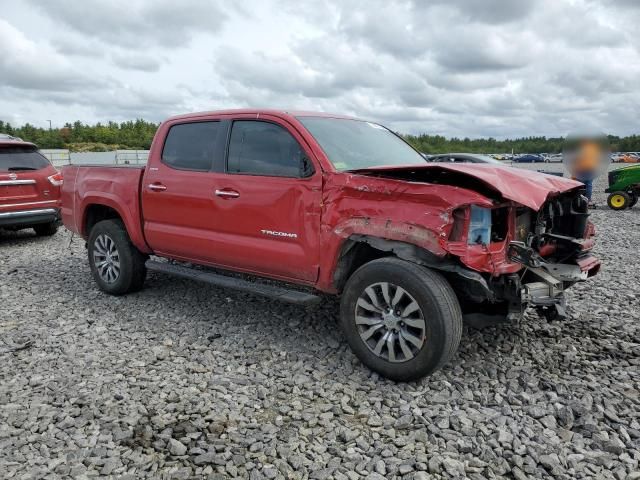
272, 291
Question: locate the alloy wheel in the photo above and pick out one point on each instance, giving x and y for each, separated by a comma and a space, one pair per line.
390, 322
106, 258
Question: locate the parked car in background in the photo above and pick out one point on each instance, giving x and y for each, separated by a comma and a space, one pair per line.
553, 158
465, 158
628, 157
29, 188
341, 206
529, 158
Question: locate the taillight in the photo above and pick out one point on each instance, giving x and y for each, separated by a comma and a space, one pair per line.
56, 179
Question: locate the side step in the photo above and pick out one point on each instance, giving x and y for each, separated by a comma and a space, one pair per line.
272, 291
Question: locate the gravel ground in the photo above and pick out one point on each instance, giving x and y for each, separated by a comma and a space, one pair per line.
183, 380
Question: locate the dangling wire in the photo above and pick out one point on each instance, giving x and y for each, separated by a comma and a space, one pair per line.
71, 240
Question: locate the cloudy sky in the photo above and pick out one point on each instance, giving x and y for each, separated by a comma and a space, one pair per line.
473, 68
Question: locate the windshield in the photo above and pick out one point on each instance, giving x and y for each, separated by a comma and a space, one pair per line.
356, 144
13, 159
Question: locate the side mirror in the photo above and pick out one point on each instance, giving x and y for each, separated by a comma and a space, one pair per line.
306, 167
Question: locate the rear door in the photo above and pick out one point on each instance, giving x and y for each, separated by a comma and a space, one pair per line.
178, 204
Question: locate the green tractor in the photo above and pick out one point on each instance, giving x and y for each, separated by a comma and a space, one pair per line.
624, 187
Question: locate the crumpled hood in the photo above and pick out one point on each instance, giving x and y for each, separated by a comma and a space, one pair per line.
525, 187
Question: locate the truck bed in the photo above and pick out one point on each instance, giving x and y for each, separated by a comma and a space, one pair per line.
116, 187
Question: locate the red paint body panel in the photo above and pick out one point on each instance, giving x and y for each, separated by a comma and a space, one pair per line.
416, 213
114, 187
187, 220
27, 196
525, 187
589, 264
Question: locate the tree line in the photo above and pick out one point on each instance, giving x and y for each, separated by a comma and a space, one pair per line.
439, 144
138, 134
78, 136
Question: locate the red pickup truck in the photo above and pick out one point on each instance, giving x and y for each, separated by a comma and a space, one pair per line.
343, 206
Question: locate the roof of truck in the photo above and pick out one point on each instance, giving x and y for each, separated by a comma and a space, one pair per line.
261, 111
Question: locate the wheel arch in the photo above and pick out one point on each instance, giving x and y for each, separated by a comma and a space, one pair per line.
356, 250
96, 212
96, 209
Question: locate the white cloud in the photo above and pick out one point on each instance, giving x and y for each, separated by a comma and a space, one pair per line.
136, 61
26, 64
135, 23
452, 67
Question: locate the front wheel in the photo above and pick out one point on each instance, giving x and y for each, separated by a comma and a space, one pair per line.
400, 319
116, 264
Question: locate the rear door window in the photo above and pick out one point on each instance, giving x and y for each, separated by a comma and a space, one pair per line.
15, 159
263, 148
191, 146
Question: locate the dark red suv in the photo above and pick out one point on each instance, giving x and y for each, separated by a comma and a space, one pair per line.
29, 188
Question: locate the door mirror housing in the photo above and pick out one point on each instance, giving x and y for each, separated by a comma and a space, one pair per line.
306, 167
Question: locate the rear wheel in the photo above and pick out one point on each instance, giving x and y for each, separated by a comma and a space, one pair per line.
618, 200
116, 264
46, 229
400, 319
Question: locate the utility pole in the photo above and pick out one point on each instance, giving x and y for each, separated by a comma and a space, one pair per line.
49, 124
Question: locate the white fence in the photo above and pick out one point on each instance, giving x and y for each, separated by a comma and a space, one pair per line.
59, 157
132, 157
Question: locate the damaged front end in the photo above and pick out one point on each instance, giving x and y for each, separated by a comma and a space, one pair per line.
554, 247
533, 257
504, 238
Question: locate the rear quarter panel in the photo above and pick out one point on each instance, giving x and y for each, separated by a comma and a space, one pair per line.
114, 187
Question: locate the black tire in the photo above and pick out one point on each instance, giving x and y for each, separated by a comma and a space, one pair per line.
46, 229
618, 200
439, 308
131, 270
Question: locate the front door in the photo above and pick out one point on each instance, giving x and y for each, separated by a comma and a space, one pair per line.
268, 202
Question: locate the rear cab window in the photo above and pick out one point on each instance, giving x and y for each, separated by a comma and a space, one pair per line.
191, 146
15, 158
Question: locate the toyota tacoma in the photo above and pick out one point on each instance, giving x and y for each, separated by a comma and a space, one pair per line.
332, 204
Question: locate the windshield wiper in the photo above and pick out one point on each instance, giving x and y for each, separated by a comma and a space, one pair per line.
21, 168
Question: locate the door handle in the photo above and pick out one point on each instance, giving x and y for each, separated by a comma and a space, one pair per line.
227, 193
156, 187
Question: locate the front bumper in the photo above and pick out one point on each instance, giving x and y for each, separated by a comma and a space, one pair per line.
543, 283
27, 218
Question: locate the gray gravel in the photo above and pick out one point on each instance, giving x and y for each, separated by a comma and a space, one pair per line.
186, 381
